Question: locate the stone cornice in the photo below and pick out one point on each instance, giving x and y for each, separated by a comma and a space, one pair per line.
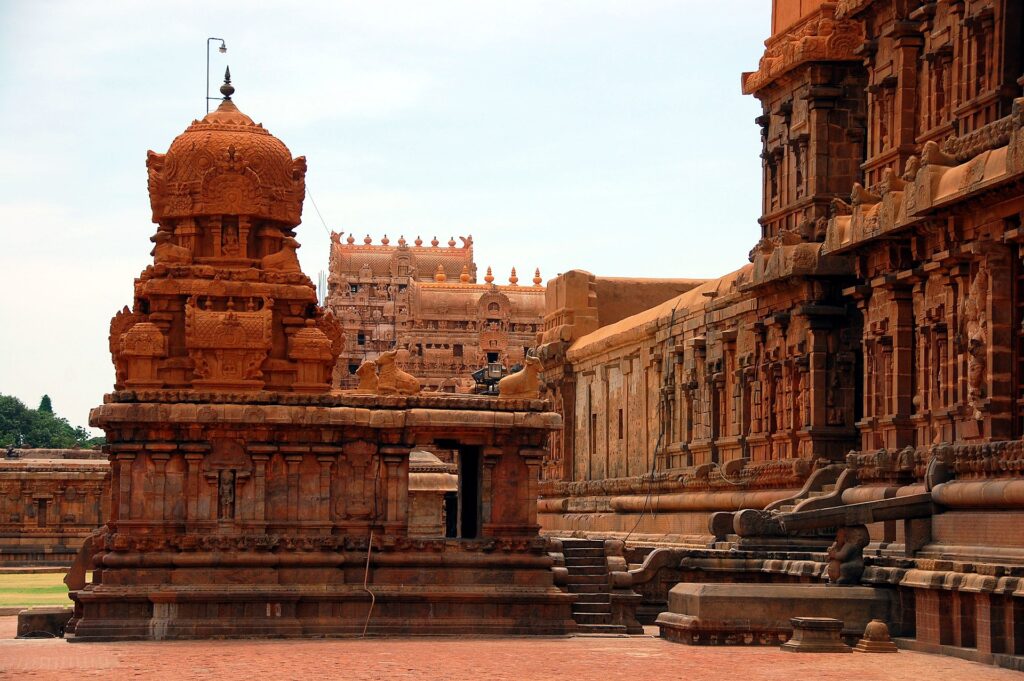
818, 37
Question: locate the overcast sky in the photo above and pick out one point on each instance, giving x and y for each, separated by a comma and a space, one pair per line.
604, 135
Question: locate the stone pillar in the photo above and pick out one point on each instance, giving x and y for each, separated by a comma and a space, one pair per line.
194, 463
396, 495
158, 510
260, 455
124, 461
293, 461
532, 457
817, 381
489, 460
326, 456
1001, 335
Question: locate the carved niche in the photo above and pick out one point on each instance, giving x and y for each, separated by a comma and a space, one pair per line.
228, 346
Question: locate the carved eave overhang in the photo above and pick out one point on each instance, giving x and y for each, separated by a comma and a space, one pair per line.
985, 165
819, 37
775, 264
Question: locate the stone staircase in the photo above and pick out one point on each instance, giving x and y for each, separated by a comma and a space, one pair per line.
588, 577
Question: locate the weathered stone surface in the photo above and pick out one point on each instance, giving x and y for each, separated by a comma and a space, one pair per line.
720, 614
43, 622
816, 635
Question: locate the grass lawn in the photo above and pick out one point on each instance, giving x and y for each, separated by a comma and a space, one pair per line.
33, 589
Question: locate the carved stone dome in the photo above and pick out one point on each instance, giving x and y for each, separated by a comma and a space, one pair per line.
225, 164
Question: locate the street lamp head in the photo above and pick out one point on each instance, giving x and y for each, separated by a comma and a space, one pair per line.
223, 48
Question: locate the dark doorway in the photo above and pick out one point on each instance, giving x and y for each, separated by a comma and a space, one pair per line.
451, 514
41, 512
469, 492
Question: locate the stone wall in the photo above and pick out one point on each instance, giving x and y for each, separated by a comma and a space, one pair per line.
50, 500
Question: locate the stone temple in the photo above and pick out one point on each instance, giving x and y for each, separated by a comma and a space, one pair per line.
824, 444
247, 497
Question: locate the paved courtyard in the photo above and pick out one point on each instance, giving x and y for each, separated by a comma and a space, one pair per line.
507, 658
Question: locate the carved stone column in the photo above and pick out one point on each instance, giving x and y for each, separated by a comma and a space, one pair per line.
489, 460
260, 455
396, 464
194, 463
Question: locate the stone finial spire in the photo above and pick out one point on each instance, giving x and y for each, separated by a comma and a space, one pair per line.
401, 240
489, 277
385, 240
227, 89
451, 242
367, 240
513, 279
419, 241
464, 277
434, 242
537, 281
351, 239
440, 275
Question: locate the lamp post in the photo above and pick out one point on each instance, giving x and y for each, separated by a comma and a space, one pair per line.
222, 49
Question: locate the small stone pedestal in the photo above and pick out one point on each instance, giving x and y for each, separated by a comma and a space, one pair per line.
816, 635
876, 639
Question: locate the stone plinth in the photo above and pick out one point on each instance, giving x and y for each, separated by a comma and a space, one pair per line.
760, 614
255, 515
816, 635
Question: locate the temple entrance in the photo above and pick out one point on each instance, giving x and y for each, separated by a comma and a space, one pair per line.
469, 492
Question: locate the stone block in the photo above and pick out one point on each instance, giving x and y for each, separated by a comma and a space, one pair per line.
43, 622
761, 614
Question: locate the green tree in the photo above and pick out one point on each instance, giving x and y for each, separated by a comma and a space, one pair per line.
45, 404
24, 427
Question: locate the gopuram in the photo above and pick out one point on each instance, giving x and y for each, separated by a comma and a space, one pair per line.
250, 499
425, 301
846, 407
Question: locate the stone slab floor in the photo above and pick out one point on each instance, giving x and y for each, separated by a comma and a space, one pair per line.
604, 658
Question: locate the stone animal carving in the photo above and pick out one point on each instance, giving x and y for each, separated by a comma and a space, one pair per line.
391, 380
933, 155
367, 373
166, 252
524, 384
285, 260
846, 555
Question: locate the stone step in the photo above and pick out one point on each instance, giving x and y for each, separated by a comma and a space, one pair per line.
815, 495
580, 553
578, 607
589, 588
587, 570
592, 617
601, 628
828, 489
587, 579
583, 543
788, 508
594, 599
585, 561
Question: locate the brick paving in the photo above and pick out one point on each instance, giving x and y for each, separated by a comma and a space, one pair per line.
517, 659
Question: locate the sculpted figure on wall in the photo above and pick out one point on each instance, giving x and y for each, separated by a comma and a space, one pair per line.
974, 338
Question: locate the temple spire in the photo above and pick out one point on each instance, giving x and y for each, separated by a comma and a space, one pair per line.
227, 89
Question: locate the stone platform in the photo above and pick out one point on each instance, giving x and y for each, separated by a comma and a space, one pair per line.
290, 520
759, 614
